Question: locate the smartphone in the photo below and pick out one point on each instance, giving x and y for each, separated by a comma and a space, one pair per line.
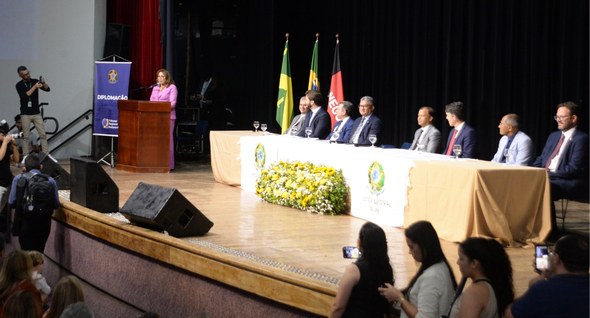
350, 252
541, 257
41, 79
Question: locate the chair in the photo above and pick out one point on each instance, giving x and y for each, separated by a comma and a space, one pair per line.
201, 133
563, 211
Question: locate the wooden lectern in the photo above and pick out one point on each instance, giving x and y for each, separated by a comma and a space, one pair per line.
144, 136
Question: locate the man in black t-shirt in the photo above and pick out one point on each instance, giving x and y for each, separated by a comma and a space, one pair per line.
28, 91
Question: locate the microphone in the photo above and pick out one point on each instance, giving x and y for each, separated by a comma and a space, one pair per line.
153, 85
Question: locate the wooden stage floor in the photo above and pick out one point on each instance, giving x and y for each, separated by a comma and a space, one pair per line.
292, 240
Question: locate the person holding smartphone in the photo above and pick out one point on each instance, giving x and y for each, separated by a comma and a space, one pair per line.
357, 294
562, 289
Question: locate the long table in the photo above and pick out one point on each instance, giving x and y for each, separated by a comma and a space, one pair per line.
460, 197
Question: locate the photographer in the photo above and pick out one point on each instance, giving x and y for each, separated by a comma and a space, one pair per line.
34, 145
8, 152
28, 91
561, 290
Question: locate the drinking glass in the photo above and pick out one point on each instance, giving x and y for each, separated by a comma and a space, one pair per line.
308, 131
263, 127
457, 151
256, 124
372, 139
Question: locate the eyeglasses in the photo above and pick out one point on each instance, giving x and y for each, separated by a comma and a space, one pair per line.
365, 106
560, 117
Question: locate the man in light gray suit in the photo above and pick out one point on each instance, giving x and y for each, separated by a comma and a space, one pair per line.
297, 122
515, 147
427, 137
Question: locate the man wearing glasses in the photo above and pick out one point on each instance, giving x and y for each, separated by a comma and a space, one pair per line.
366, 125
28, 91
565, 156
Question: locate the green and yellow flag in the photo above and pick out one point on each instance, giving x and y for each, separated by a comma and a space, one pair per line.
314, 81
285, 98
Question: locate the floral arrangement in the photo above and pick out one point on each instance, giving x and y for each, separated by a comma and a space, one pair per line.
304, 186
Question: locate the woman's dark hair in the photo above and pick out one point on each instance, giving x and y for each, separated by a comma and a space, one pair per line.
373, 247
423, 234
495, 265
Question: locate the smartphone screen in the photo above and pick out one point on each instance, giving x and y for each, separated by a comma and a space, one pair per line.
541, 257
350, 252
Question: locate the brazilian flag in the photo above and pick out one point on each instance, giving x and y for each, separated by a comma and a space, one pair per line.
314, 81
285, 98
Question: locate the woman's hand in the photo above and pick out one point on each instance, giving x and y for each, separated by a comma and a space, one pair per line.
390, 293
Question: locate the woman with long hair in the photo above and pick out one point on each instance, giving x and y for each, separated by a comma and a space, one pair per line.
430, 291
16, 276
357, 295
66, 292
165, 90
486, 263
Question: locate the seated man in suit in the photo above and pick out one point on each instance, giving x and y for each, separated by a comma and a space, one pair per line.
518, 145
367, 124
461, 134
297, 122
427, 137
565, 156
318, 119
343, 127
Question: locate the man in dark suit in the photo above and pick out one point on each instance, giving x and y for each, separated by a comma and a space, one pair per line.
427, 137
299, 120
343, 127
461, 134
565, 156
318, 119
367, 124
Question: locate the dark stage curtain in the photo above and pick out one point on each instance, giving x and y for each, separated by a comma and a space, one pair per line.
145, 47
497, 57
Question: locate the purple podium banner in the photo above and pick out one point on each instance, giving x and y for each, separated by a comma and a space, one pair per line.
111, 83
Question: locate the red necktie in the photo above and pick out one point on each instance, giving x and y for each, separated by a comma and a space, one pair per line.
452, 143
555, 151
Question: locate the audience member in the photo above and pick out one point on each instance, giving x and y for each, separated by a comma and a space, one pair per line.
461, 134
515, 148
317, 119
562, 290
427, 137
343, 127
37, 274
357, 295
32, 227
66, 292
485, 262
34, 145
77, 310
366, 125
16, 276
22, 304
299, 120
565, 156
166, 91
8, 153
28, 92
431, 290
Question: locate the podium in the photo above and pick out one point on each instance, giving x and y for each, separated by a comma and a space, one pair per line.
144, 136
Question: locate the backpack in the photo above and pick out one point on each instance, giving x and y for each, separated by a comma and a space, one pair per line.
37, 196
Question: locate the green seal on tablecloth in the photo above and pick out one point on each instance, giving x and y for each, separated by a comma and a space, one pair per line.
260, 156
376, 178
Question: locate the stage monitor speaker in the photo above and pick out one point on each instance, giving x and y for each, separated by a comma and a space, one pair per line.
92, 187
117, 40
161, 208
49, 166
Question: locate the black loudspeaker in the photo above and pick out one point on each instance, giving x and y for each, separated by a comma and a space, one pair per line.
49, 166
92, 187
117, 40
159, 208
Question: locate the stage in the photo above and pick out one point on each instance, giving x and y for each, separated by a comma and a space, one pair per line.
258, 259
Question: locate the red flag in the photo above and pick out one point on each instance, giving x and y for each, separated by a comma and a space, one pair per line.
336, 95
